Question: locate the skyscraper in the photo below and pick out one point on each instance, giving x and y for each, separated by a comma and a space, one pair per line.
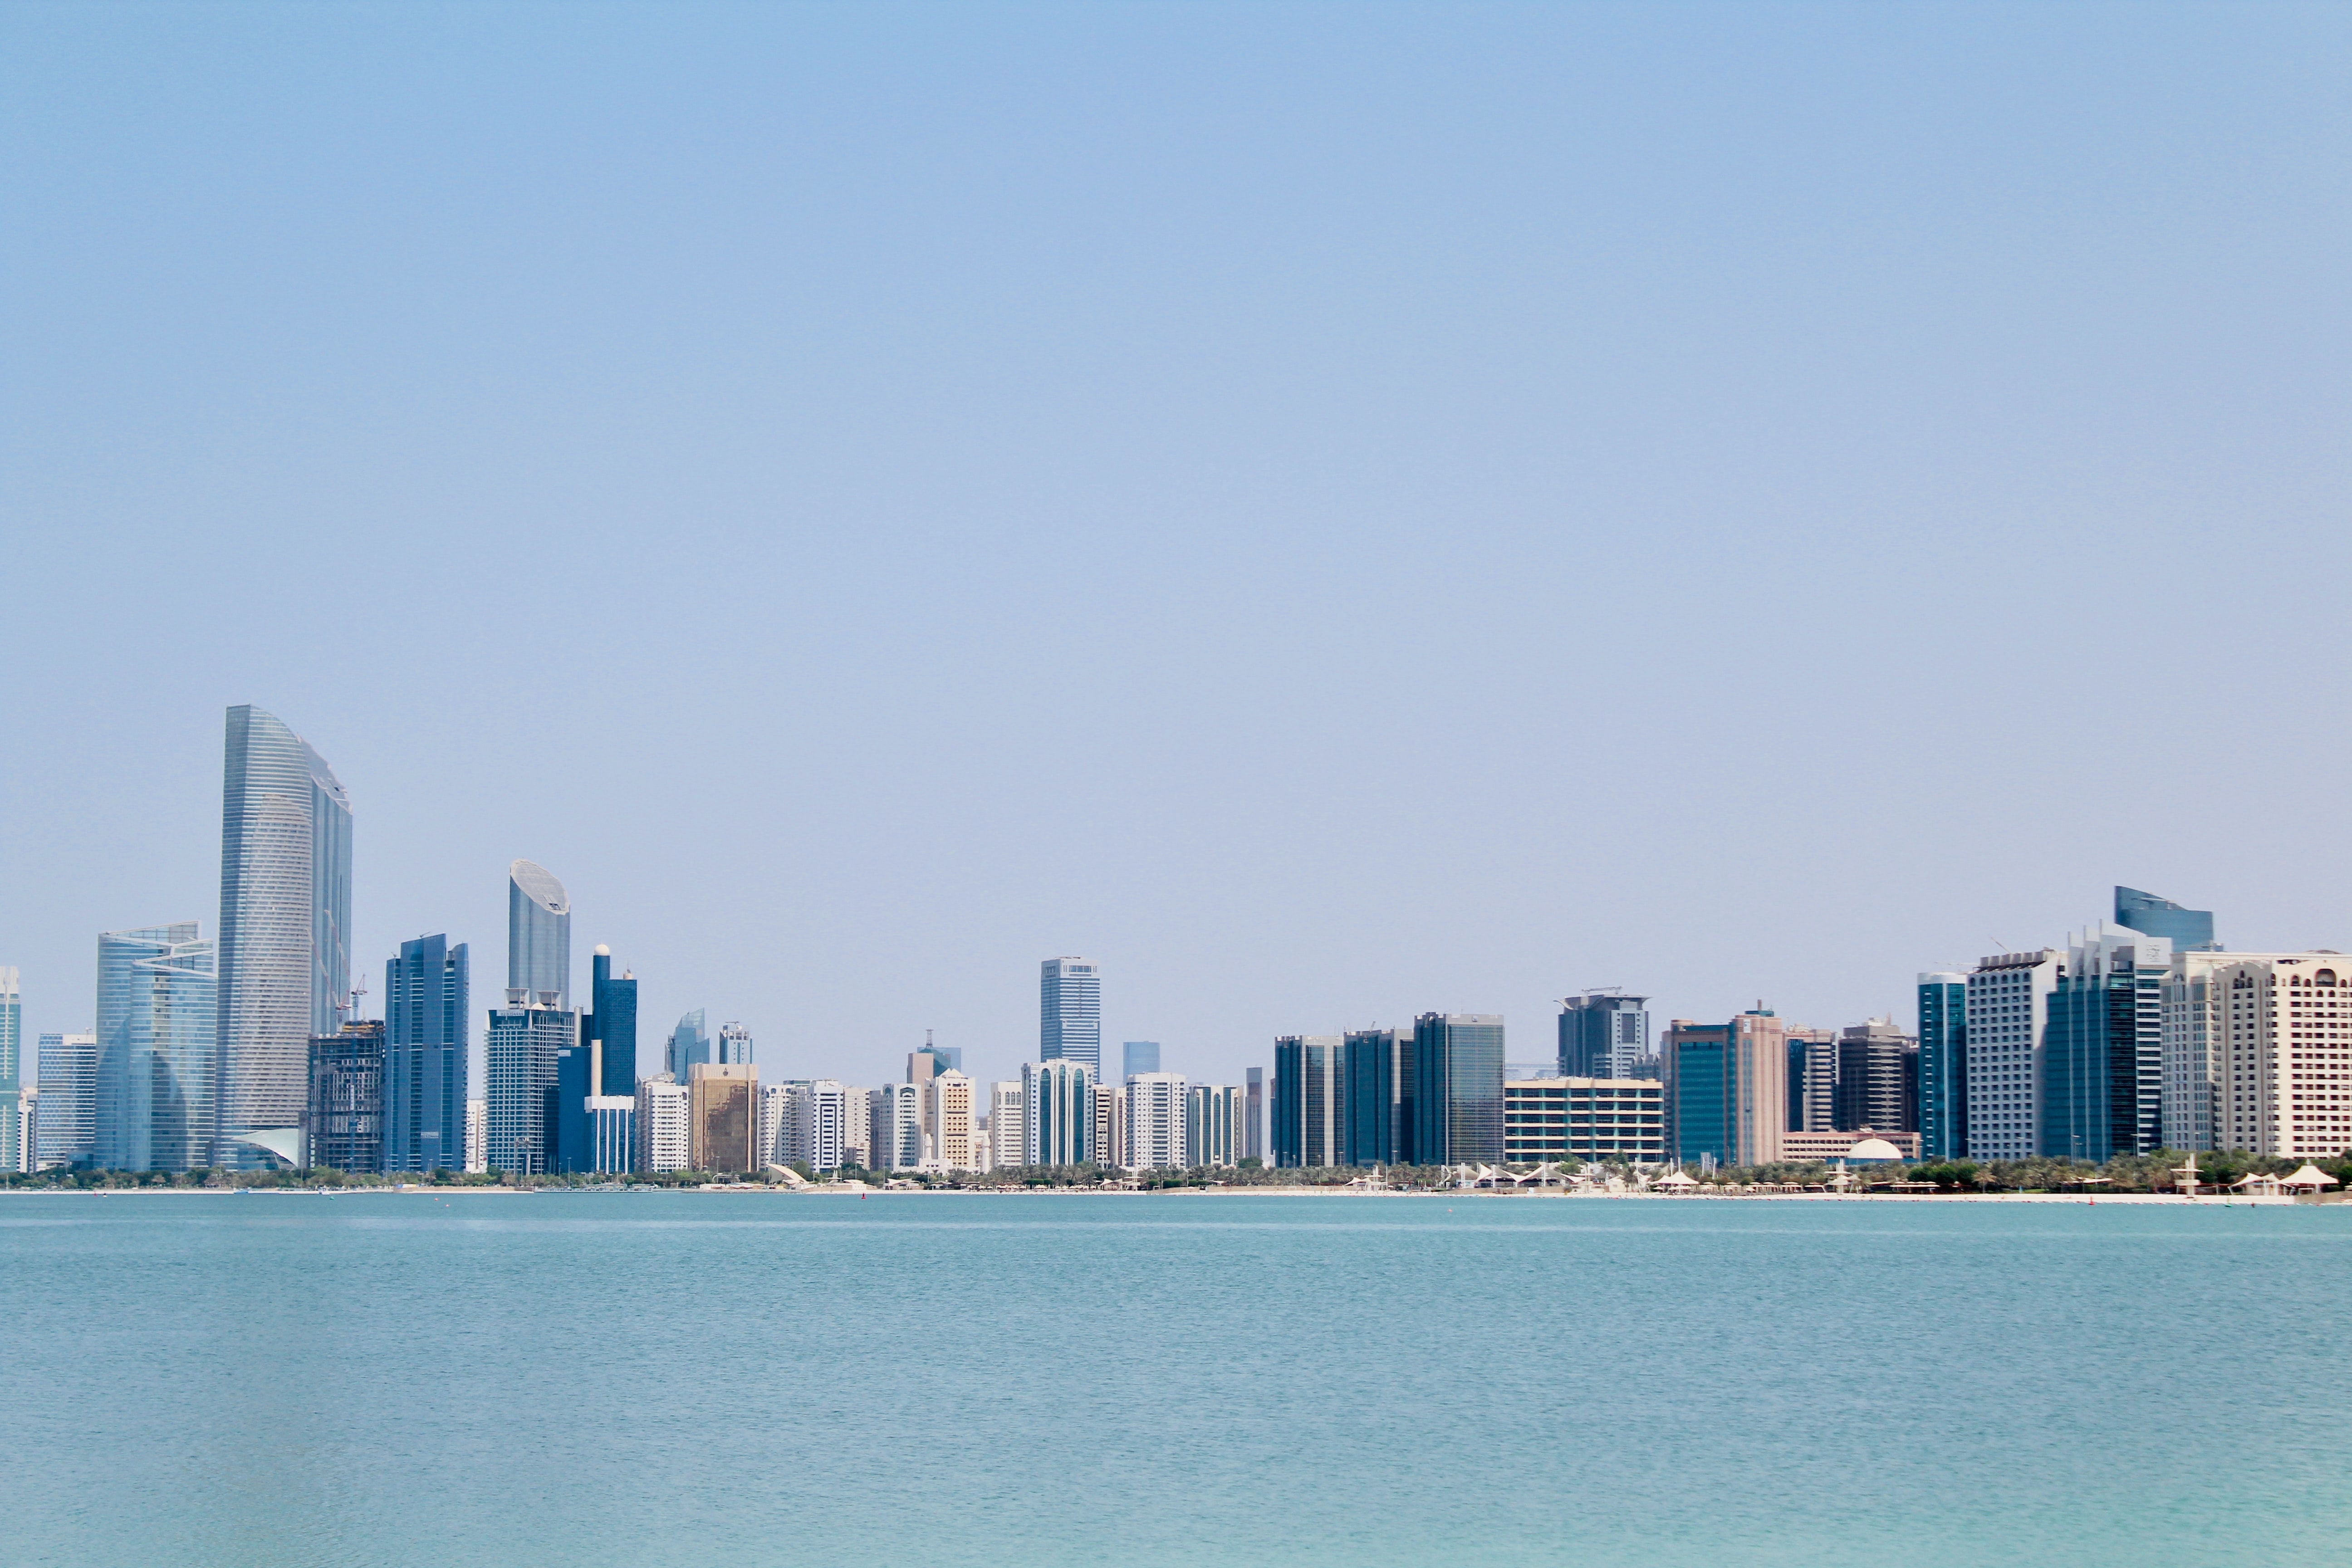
1458, 1088
1379, 1069
1007, 1125
2189, 930
539, 935
157, 1010
2007, 1007
1602, 1034
1057, 1113
343, 1120
722, 1118
895, 1128
1155, 1121
1943, 1066
610, 1029
425, 1015
284, 969
689, 1048
525, 1039
1877, 1078
1139, 1056
1311, 1101
1070, 1012
12, 1032
2103, 1048
1727, 1089
1213, 1124
1253, 1145
68, 1070
734, 1045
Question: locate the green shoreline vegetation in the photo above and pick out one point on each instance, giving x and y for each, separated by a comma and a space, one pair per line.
2126, 1174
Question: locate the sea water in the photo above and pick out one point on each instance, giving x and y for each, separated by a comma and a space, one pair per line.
653, 1379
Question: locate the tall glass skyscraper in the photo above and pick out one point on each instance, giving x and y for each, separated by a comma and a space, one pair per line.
1137, 1057
1070, 1012
1943, 1066
1457, 1088
285, 925
610, 1026
539, 935
1378, 1065
689, 1044
2189, 930
158, 1004
426, 1016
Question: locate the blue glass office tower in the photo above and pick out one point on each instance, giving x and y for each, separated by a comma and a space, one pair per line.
570, 1142
2189, 930
1069, 1016
538, 936
612, 1026
1700, 1093
1943, 1066
2103, 1053
1311, 1101
1139, 1056
689, 1044
1458, 1061
425, 1014
158, 1005
1602, 1035
285, 944
1379, 1070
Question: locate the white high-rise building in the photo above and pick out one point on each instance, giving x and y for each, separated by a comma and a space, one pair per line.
1057, 1113
775, 1131
1155, 1121
897, 1117
1007, 1129
29, 1131
1110, 1126
68, 1080
2008, 1010
1070, 1012
478, 1135
819, 1113
12, 1033
663, 1113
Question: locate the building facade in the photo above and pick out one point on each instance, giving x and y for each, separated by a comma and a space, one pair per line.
722, 1110
1007, 1125
2008, 1003
1726, 1090
1457, 1088
951, 1130
610, 1027
342, 1121
1586, 1118
734, 1044
539, 935
12, 1045
426, 1012
689, 1047
1155, 1121
1378, 1068
68, 1080
1310, 1101
1070, 1012
2103, 1048
2287, 1055
2187, 929
1215, 1118
478, 1136
525, 1039
1254, 1114
1603, 1034
1139, 1056
663, 1112
1878, 1078
1944, 1066
283, 971
895, 1112
157, 1057
1057, 1113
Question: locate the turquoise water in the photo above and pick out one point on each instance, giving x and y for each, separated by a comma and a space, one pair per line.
688, 1379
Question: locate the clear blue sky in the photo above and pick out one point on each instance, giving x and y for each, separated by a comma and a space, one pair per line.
1332, 512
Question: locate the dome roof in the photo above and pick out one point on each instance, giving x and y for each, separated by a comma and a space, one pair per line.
1875, 1149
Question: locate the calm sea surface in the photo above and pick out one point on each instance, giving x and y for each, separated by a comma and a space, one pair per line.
645, 1380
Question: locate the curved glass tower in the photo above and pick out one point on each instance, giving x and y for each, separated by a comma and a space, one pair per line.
157, 1008
538, 935
285, 927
